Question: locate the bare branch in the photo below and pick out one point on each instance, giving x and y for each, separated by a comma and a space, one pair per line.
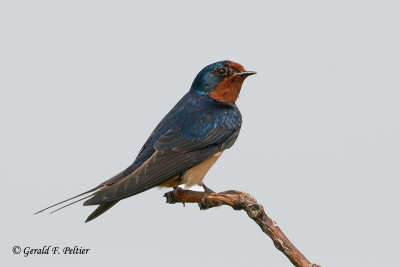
243, 201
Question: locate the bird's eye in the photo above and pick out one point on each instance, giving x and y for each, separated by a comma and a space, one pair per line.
222, 71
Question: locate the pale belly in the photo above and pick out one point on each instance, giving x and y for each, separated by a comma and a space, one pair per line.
195, 175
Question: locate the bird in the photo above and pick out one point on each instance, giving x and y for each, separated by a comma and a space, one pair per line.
184, 145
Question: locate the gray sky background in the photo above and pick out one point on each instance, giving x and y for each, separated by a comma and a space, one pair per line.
83, 83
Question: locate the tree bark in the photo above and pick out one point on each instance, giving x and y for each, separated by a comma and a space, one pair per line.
243, 201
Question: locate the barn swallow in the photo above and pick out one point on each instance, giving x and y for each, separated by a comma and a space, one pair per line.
185, 144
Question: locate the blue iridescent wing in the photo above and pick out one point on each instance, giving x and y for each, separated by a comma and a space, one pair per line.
173, 156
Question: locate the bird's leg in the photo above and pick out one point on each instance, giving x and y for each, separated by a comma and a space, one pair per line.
207, 191
180, 178
177, 191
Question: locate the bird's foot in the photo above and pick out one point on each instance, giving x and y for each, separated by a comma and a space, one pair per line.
207, 191
171, 195
177, 191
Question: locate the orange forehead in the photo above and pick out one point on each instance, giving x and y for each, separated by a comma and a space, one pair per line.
236, 66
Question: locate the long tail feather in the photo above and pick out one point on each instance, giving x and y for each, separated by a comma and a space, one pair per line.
87, 192
69, 204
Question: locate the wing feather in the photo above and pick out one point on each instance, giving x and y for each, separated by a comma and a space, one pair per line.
173, 156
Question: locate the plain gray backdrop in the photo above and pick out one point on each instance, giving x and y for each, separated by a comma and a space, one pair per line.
83, 84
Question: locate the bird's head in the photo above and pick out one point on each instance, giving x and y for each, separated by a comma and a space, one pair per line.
222, 80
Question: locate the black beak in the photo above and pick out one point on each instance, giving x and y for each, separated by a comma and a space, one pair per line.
246, 73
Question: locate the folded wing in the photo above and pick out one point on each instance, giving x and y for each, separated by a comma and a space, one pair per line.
174, 154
